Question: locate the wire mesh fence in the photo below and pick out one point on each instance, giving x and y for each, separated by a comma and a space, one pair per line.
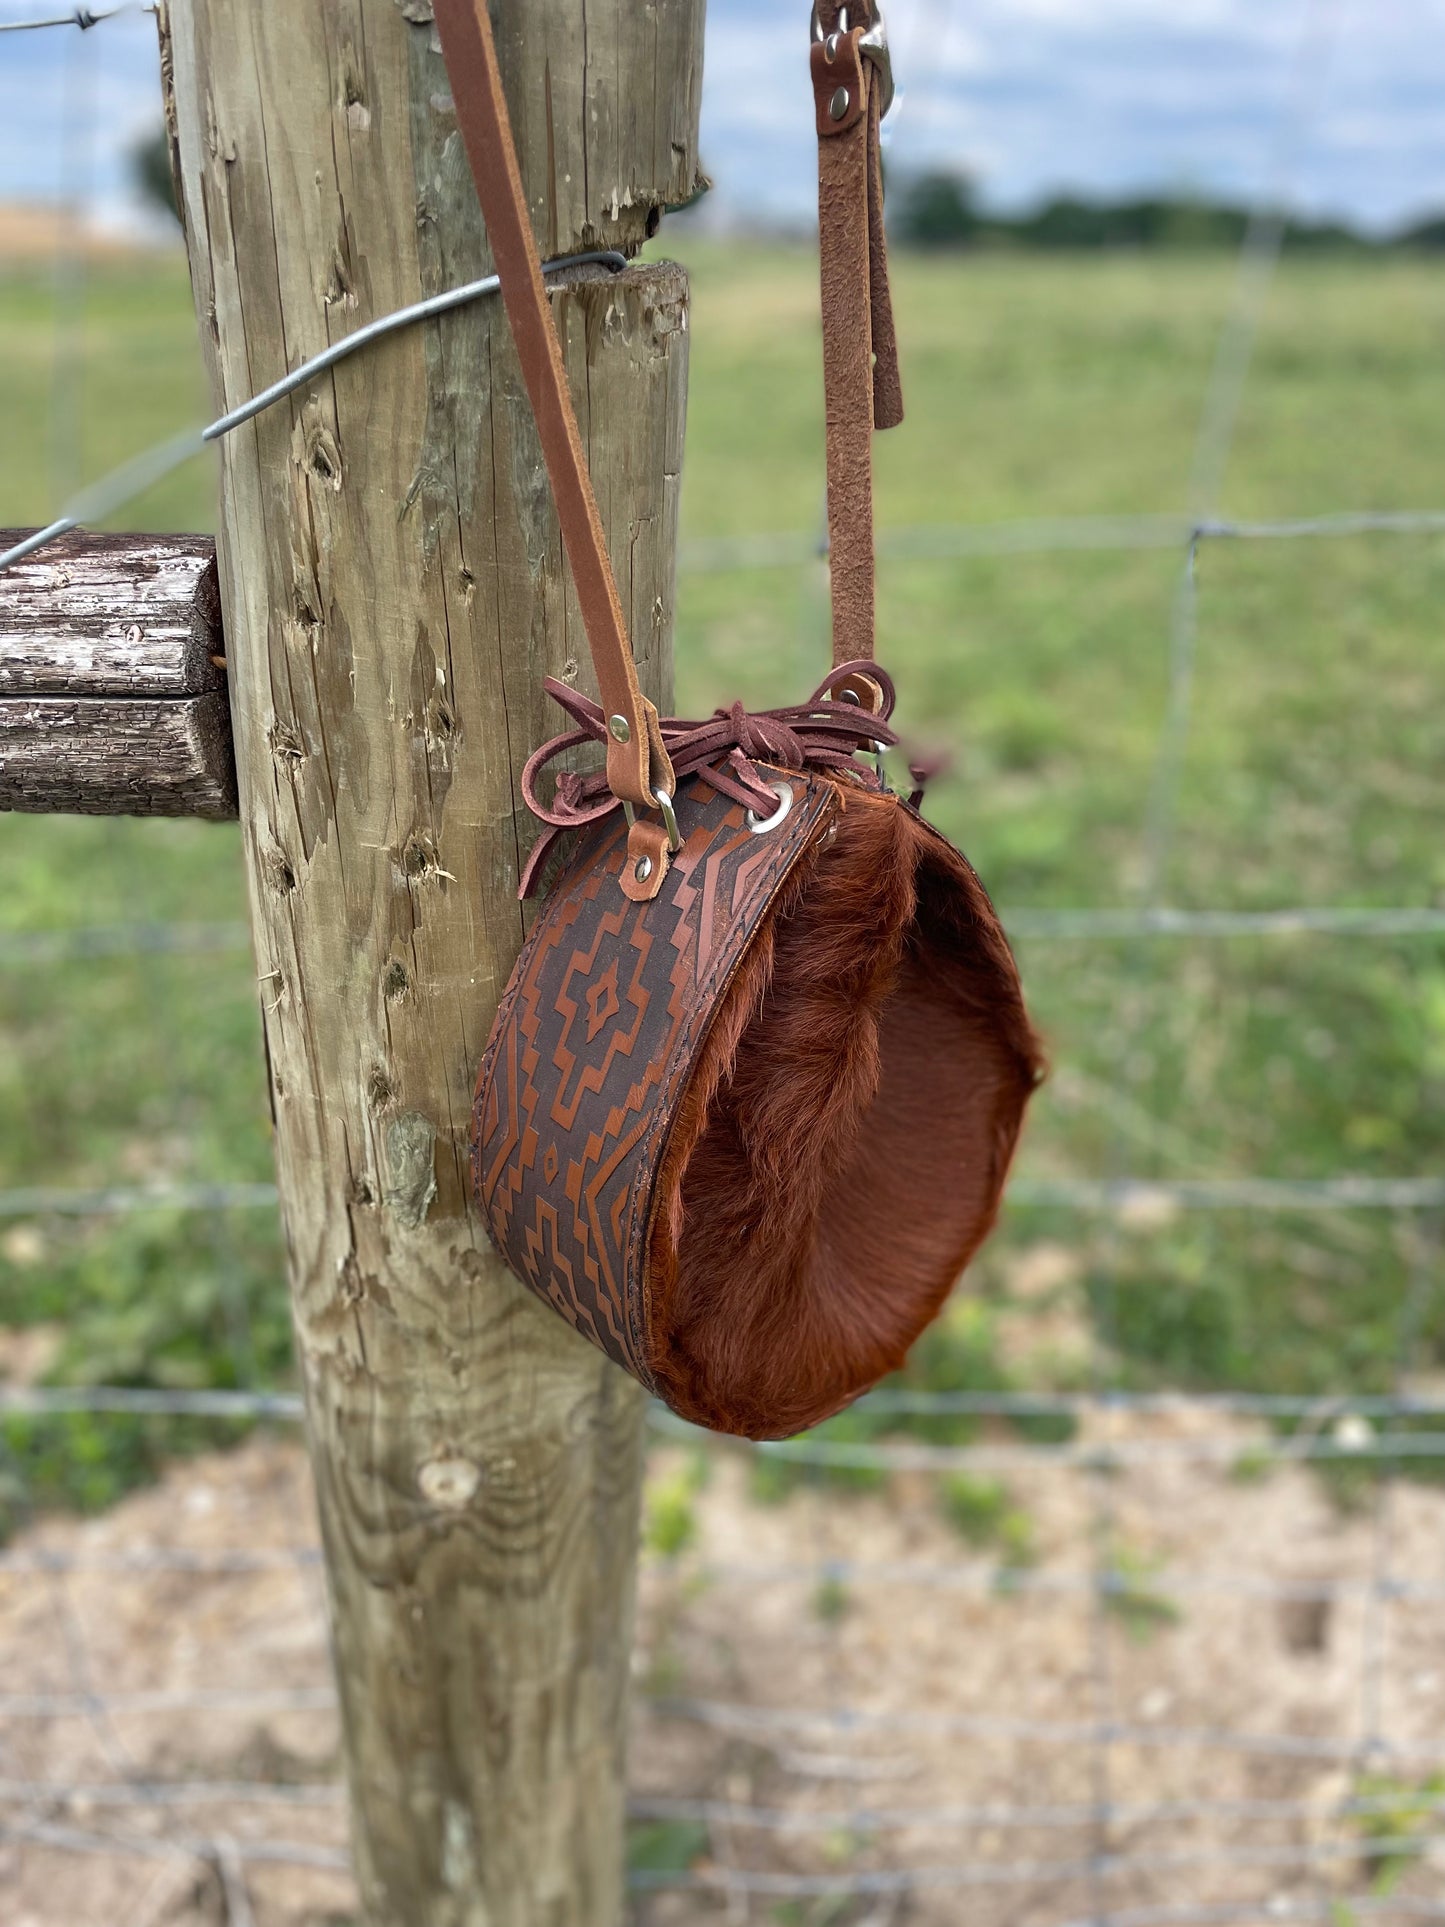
917, 1723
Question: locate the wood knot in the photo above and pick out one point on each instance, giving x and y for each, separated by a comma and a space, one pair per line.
323, 455
449, 1483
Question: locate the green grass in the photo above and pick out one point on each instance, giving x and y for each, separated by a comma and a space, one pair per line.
1315, 773
1399, 1815
1141, 1608
984, 1513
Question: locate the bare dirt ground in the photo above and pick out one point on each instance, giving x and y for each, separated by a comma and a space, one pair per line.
865, 1723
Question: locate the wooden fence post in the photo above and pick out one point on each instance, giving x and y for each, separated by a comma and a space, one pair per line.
393, 592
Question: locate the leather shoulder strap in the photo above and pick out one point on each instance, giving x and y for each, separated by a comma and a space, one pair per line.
637, 763
851, 82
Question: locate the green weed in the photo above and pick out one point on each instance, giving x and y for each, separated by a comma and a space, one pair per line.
665, 1846
1395, 1814
669, 1522
1132, 1598
985, 1513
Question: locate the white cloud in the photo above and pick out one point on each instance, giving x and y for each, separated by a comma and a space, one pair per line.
1029, 95
1106, 96
72, 105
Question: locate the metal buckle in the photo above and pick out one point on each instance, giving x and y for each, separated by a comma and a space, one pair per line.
669, 817
873, 45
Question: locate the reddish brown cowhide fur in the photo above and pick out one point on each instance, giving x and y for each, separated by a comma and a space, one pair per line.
842, 1147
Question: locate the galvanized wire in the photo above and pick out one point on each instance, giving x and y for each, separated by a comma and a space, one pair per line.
26, 949
1033, 1873
82, 17
1002, 1582
145, 1401
1062, 1817
1087, 1456
44, 1400
1343, 1193
147, 1561
112, 1201
1075, 926
143, 1792
113, 491
167, 1701
1049, 535
287, 1853
737, 1717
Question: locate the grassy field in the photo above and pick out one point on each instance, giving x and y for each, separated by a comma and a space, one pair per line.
1314, 775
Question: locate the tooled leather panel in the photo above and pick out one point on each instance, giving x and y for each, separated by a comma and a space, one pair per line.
595, 1040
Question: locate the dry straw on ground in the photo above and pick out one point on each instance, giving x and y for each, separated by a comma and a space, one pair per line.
739, 1619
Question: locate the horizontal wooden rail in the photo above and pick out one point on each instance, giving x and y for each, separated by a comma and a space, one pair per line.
113, 697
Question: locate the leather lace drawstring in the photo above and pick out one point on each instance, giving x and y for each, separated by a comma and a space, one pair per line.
823, 733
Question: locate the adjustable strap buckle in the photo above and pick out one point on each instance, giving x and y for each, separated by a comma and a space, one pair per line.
873, 45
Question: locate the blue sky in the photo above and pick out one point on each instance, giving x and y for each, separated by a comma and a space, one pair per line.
1028, 96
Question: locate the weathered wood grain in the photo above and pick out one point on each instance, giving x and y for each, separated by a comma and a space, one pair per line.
394, 591
604, 98
111, 615
112, 686
108, 756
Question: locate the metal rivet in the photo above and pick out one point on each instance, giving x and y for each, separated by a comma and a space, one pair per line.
642, 868
830, 48
839, 104
849, 696
617, 726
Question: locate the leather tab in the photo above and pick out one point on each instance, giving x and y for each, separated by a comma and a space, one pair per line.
839, 83
887, 384
646, 862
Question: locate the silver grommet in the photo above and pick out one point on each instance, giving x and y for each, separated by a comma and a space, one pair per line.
618, 729
761, 825
839, 104
642, 868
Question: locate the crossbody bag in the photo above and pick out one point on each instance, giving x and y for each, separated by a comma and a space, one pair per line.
752, 1092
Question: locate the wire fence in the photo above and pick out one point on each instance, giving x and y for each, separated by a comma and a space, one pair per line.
1352, 1841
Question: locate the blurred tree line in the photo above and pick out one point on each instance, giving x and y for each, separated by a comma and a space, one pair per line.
150, 167
940, 209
